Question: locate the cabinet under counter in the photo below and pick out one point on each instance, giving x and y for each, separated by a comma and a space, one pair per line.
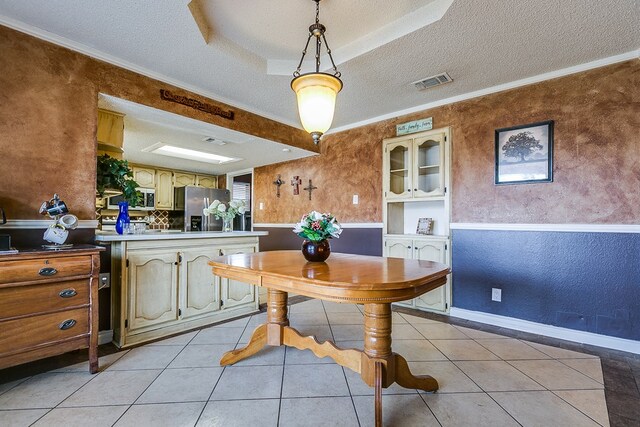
162, 283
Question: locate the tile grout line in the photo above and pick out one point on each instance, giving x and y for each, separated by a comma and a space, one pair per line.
552, 391
344, 374
573, 406
224, 368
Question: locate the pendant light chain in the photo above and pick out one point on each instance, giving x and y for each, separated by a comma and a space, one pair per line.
316, 91
318, 33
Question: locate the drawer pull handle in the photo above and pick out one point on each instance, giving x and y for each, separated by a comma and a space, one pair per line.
67, 324
47, 271
68, 293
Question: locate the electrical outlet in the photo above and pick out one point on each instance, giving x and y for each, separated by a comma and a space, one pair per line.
261, 205
496, 294
104, 280
355, 199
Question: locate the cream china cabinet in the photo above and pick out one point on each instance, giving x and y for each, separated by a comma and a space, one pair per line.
416, 185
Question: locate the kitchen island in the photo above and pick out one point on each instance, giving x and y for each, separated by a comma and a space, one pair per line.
161, 283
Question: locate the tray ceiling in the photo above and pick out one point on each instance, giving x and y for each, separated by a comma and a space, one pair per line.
480, 44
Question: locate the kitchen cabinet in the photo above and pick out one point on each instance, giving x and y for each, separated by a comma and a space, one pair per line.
110, 133
416, 177
181, 179
206, 181
145, 177
153, 284
162, 286
164, 189
200, 290
49, 304
234, 292
427, 249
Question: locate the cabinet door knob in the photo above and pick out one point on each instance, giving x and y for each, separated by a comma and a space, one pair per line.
416, 248
68, 293
408, 247
67, 324
47, 271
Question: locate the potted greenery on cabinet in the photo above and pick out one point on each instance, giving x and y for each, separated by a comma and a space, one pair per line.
114, 174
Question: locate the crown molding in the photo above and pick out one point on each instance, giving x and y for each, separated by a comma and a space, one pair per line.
635, 54
102, 56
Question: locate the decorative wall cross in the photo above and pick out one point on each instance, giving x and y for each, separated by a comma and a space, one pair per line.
278, 182
296, 182
310, 188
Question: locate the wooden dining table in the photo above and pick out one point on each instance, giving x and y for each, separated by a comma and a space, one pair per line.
374, 282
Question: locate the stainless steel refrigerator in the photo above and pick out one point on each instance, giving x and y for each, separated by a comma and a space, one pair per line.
189, 202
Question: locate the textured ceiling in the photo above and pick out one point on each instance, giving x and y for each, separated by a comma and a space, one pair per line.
479, 43
145, 126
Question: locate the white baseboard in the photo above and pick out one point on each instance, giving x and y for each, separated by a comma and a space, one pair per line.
105, 337
590, 338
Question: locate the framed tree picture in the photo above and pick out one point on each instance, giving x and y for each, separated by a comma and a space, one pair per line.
524, 154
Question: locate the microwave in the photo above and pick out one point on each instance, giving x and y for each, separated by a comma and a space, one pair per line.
148, 200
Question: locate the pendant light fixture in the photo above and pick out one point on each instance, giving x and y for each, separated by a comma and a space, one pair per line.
316, 92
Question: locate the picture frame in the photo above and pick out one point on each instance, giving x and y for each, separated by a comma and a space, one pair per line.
524, 154
425, 226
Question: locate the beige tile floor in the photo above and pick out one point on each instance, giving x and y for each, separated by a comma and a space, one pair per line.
485, 380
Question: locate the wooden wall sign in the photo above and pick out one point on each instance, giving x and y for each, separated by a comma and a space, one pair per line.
195, 104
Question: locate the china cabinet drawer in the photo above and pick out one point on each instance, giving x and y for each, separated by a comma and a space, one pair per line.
26, 300
44, 329
44, 268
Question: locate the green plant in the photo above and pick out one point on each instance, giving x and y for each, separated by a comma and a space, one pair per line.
117, 175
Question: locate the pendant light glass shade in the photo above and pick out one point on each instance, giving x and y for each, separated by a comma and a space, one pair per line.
316, 94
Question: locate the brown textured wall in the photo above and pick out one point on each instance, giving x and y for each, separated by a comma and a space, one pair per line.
48, 113
349, 163
596, 157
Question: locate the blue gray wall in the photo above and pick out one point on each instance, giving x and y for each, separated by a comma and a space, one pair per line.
583, 281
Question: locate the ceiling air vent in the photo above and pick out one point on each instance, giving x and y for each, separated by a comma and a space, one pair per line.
211, 140
432, 81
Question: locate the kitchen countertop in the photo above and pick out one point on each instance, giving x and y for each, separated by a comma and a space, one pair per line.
112, 236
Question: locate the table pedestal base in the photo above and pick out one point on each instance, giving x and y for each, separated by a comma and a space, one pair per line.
378, 366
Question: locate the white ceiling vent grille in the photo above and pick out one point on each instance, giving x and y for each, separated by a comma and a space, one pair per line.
215, 141
429, 82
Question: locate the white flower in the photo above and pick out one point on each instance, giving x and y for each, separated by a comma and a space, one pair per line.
233, 204
214, 205
242, 209
315, 215
221, 207
206, 212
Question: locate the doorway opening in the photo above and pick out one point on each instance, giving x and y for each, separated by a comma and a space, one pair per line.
240, 184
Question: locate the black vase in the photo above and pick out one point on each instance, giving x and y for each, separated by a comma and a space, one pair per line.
316, 251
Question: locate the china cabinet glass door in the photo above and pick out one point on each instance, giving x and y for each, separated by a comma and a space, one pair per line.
428, 168
398, 175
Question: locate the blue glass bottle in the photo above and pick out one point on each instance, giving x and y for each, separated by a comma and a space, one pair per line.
122, 222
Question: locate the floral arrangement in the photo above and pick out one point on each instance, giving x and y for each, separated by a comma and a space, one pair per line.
316, 226
227, 210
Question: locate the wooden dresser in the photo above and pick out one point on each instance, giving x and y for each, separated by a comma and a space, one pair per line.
49, 304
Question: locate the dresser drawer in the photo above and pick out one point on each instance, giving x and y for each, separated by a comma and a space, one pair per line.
32, 299
44, 268
20, 334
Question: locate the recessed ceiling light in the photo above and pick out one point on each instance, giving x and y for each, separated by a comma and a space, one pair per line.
185, 153
286, 150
